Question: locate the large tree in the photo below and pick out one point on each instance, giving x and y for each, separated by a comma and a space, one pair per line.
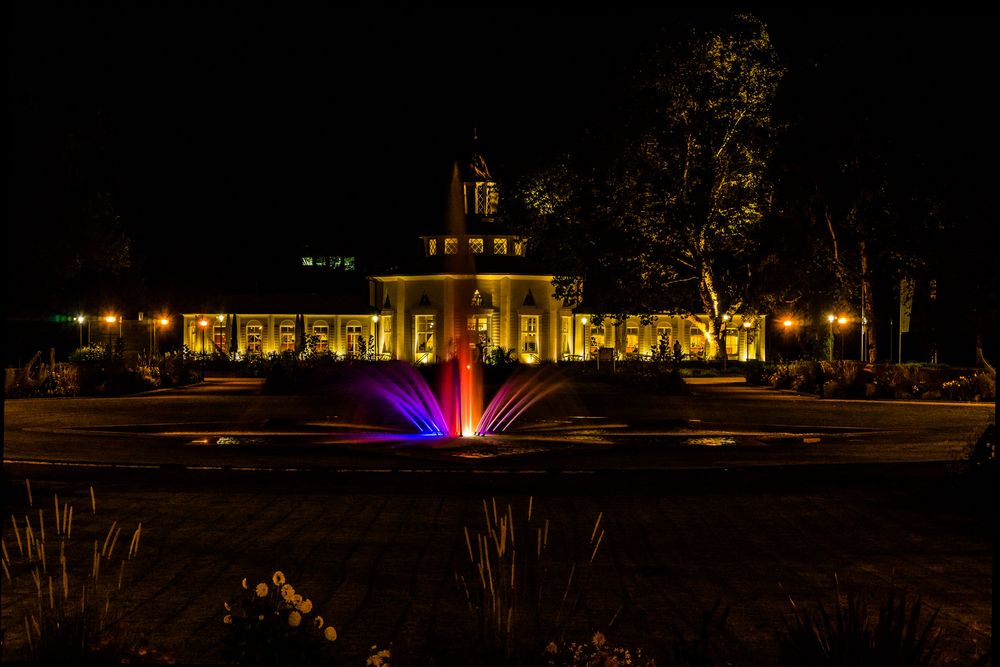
700, 175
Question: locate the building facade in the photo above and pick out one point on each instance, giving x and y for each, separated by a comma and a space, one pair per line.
474, 287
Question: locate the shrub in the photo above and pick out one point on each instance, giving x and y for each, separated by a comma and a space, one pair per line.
596, 652
899, 635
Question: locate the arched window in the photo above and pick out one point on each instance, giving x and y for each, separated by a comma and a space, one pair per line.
255, 337
286, 336
321, 331
353, 338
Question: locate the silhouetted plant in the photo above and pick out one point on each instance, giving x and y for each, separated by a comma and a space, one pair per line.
899, 635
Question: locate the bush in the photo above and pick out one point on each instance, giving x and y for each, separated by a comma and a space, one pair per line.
899, 635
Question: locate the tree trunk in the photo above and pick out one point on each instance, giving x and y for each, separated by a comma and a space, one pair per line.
870, 354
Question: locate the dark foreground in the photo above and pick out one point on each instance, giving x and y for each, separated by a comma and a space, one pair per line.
375, 541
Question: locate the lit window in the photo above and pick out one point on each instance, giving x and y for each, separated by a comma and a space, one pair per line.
631, 339
387, 345
519, 248
529, 334
255, 336
321, 330
307, 261
353, 338
347, 263
664, 340
451, 246
476, 246
499, 246
219, 337
286, 336
564, 344
424, 337
320, 261
598, 338
479, 331
732, 342
432, 247
697, 345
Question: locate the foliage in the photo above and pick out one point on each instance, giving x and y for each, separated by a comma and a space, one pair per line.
67, 615
500, 356
899, 635
595, 653
700, 176
270, 624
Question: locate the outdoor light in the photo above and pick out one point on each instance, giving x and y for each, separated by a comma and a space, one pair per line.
110, 319
830, 318
725, 318
374, 318
203, 322
747, 325
787, 323
221, 318
164, 322
584, 321
842, 320
80, 319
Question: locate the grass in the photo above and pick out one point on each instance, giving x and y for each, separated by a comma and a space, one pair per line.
65, 581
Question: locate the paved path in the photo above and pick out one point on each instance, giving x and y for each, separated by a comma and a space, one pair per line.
377, 551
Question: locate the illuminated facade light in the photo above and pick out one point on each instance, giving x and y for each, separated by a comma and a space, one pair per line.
842, 320
787, 323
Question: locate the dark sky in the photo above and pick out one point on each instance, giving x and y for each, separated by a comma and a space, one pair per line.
226, 134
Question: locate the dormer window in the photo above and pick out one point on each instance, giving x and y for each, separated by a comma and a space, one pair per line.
451, 246
499, 246
432, 247
519, 248
477, 299
476, 246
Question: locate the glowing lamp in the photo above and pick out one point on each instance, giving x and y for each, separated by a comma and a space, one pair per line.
842, 320
110, 319
80, 318
747, 325
830, 318
787, 323
584, 321
164, 322
203, 322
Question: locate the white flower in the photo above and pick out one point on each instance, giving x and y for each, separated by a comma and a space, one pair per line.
330, 633
226, 605
261, 589
294, 618
598, 639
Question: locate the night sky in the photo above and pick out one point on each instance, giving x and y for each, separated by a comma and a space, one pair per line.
227, 138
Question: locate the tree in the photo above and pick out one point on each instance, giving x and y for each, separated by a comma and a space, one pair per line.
697, 178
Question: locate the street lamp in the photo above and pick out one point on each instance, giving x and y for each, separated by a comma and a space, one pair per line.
163, 322
831, 319
585, 351
746, 337
203, 323
375, 352
79, 321
841, 321
788, 326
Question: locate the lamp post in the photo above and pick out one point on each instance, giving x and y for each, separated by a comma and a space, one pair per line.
841, 321
831, 319
203, 323
163, 322
585, 348
746, 337
109, 320
79, 321
375, 352
788, 326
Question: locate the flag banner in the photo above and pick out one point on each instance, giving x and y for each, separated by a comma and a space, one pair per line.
905, 304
